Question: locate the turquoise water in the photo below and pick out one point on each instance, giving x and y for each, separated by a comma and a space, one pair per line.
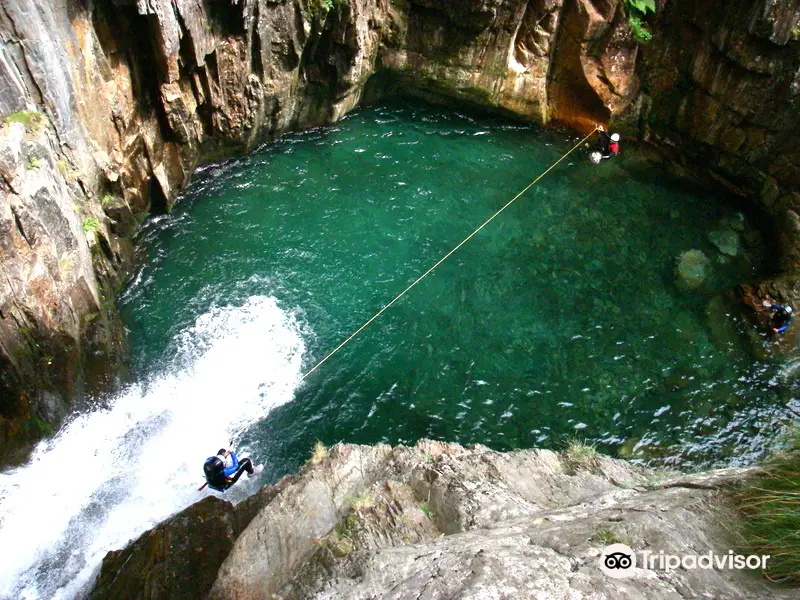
561, 319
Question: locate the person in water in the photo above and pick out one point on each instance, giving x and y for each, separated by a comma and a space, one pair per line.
781, 318
224, 469
607, 145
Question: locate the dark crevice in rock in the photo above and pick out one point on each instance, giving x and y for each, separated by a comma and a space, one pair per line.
159, 203
256, 65
102, 242
213, 69
124, 33
187, 63
228, 18
19, 226
205, 109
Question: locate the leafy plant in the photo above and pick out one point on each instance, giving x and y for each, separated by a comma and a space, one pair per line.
322, 7
90, 225
636, 10
107, 199
640, 33
641, 6
34, 163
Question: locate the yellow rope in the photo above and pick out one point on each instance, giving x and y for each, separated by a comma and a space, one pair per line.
444, 258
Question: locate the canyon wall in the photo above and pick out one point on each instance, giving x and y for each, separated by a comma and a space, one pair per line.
109, 106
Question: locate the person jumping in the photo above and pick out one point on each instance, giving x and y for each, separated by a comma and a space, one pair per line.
224, 469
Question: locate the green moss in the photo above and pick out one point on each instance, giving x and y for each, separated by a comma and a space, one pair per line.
107, 199
34, 163
425, 507
365, 500
90, 225
347, 525
43, 427
606, 537
769, 506
32, 120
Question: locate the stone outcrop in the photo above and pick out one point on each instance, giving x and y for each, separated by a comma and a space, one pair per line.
180, 557
60, 272
134, 94
443, 521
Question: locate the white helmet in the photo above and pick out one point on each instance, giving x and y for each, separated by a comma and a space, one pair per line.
614, 137
787, 308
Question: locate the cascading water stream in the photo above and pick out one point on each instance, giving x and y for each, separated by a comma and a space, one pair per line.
112, 473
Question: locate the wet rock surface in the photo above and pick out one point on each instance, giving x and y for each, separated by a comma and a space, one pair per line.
443, 521
180, 557
177, 559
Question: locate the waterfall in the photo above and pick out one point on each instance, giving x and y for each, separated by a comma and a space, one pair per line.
112, 473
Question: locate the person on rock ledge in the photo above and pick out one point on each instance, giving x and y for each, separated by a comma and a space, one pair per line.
781, 317
607, 145
224, 469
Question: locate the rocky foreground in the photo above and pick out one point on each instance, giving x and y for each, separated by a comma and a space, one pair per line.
441, 521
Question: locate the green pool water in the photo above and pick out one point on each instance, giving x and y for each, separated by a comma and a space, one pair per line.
562, 319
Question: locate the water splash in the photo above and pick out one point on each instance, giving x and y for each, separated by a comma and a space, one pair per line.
113, 473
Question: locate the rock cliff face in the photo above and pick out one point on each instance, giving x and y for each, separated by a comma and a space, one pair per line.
122, 99
440, 521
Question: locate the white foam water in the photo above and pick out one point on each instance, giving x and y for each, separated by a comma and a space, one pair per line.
111, 474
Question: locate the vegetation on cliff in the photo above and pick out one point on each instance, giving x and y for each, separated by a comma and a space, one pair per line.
637, 9
770, 507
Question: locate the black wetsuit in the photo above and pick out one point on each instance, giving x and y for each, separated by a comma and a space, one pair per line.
603, 142
220, 477
781, 319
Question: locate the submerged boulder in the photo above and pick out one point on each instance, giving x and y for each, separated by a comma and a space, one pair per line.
693, 269
726, 241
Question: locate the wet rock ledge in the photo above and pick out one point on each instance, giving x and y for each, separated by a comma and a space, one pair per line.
440, 521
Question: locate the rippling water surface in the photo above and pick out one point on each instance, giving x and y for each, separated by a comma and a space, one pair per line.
562, 319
